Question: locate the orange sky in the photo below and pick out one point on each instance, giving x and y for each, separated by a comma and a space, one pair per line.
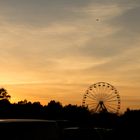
68, 94
56, 49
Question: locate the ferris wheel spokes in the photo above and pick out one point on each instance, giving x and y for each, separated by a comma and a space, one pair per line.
102, 97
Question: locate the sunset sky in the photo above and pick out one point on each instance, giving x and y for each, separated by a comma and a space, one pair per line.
55, 49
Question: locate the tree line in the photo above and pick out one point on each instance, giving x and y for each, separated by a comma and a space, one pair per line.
124, 125
54, 110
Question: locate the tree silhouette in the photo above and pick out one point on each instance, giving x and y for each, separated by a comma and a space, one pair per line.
24, 102
54, 110
4, 94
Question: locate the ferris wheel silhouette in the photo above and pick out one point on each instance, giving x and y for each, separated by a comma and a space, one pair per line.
102, 97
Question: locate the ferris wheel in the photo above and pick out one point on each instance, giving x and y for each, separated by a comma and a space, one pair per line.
102, 97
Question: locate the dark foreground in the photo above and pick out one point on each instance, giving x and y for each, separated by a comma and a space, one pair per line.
29, 129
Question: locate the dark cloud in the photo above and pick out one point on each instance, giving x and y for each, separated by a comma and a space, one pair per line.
44, 12
129, 21
39, 13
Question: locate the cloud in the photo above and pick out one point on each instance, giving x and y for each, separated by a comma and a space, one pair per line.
61, 40
39, 13
80, 36
128, 22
